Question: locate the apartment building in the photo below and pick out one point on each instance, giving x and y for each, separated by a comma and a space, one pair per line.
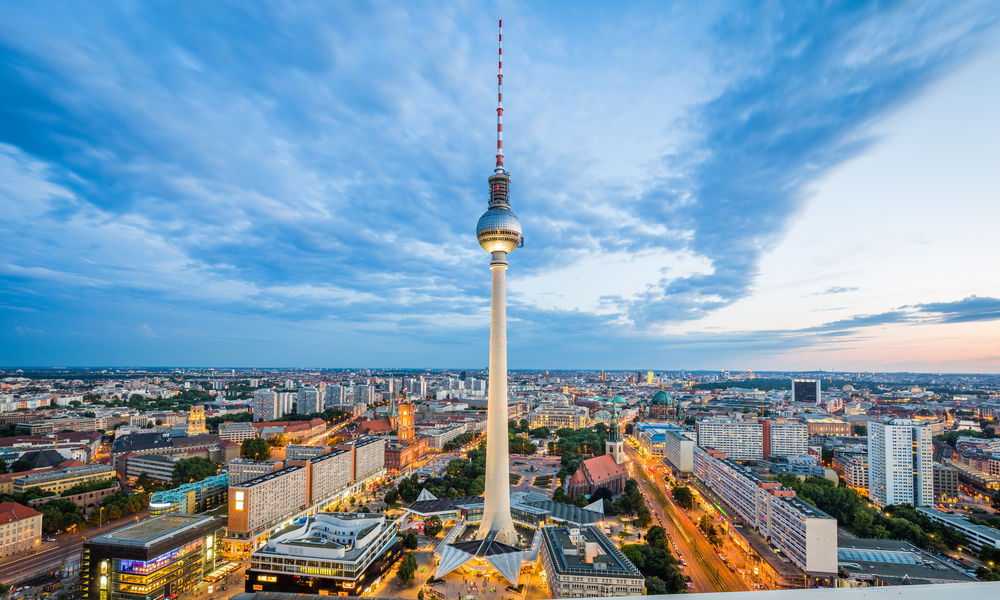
293, 452
784, 438
308, 401
330, 475
242, 470
336, 395
258, 504
20, 528
741, 440
367, 456
853, 467
265, 405
364, 394
804, 534
900, 463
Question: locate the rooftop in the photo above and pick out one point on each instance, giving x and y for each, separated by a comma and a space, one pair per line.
563, 553
149, 532
894, 562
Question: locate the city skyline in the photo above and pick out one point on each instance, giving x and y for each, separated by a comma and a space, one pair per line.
770, 189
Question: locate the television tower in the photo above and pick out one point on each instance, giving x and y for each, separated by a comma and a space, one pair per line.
498, 232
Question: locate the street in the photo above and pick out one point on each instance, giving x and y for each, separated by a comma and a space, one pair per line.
707, 570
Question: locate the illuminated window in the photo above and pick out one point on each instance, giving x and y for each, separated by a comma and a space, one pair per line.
239, 495
239, 505
104, 582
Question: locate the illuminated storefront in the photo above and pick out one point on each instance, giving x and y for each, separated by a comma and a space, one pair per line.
154, 559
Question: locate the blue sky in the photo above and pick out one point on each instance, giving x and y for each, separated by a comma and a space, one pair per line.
762, 185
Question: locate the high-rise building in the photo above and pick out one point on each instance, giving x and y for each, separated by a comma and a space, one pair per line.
900, 463
806, 390
741, 440
308, 401
265, 405
785, 438
649, 377
336, 395
364, 394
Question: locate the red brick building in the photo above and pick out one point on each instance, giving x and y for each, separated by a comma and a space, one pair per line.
598, 472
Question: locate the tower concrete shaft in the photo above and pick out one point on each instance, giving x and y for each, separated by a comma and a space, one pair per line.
496, 509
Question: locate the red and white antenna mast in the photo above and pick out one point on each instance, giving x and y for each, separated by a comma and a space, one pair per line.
500, 102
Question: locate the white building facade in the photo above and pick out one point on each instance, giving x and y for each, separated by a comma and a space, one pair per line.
900, 464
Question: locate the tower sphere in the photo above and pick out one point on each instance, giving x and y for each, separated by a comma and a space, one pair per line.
498, 230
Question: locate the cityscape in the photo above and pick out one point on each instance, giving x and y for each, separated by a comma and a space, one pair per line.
199, 201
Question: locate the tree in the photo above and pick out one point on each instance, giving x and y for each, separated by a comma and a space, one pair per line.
580, 501
861, 430
20, 466
193, 469
278, 441
420, 594
3, 467
643, 517
683, 496
433, 526
655, 586
410, 541
629, 428
995, 500
407, 568
862, 521
255, 449
392, 496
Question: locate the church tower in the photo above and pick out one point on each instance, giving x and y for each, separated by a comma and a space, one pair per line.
615, 446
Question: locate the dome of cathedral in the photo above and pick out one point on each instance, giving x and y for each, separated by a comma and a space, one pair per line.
662, 398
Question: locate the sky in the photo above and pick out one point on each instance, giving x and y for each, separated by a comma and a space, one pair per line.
760, 185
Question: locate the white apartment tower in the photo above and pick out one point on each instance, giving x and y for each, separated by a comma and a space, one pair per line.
265, 405
336, 395
364, 394
308, 401
900, 464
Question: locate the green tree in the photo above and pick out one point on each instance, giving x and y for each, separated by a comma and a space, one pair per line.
433, 526
861, 430
410, 541
995, 500
193, 469
862, 522
407, 568
643, 518
3, 467
683, 496
655, 586
629, 428
20, 466
255, 449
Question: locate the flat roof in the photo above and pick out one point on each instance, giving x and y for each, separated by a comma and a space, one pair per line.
149, 532
893, 561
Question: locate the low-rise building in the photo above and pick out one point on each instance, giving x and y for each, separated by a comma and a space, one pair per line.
20, 528
237, 432
327, 554
191, 498
581, 562
59, 480
559, 416
976, 535
596, 473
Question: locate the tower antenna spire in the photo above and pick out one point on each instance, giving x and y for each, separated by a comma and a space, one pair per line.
500, 101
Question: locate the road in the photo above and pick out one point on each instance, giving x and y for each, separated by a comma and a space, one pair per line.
66, 548
707, 570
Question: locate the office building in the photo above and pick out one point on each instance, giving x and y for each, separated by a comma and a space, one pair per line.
293, 452
364, 394
977, 536
945, 484
900, 464
60, 480
190, 498
161, 557
265, 405
806, 390
327, 554
559, 416
581, 562
157, 467
678, 451
308, 401
236, 432
828, 426
20, 528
